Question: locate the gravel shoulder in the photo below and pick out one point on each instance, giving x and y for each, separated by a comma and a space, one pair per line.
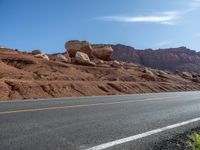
177, 142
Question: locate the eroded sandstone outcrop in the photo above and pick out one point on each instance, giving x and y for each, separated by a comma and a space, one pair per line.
172, 59
23, 76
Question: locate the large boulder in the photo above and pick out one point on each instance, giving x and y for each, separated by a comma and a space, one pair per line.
83, 59
81, 46
43, 56
102, 51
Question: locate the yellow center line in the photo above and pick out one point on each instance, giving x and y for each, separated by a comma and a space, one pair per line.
82, 105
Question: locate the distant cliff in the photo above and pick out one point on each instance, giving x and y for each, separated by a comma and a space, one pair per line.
173, 59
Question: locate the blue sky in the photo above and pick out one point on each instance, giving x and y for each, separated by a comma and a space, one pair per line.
47, 24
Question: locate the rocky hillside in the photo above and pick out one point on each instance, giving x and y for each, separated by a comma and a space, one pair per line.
26, 75
173, 59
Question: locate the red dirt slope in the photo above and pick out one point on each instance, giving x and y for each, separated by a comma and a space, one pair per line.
22, 77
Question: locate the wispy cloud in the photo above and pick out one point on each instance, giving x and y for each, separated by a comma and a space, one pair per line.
165, 17
161, 17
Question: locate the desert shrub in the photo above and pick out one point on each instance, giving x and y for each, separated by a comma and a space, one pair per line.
194, 141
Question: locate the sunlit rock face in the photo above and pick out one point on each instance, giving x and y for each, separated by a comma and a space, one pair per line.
173, 59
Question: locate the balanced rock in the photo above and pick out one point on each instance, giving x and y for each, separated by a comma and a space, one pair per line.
78, 46
102, 51
83, 59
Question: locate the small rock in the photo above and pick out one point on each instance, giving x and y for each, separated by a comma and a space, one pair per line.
61, 58
43, 56
83, 59
116, 64
35, 52
162, 72
148, 72
101, 61
186, 74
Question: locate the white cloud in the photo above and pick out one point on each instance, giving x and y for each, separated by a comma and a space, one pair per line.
165, 17
161, 17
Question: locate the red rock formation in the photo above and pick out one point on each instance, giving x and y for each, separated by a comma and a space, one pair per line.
22, 76
173, 59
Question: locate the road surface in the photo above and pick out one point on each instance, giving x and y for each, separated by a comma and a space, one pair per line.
126, 122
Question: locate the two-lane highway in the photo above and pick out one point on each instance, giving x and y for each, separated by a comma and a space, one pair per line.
104, 122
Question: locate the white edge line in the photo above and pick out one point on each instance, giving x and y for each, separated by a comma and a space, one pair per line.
85, 97
80, 97
142, 135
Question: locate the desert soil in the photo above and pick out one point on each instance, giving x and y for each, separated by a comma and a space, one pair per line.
23, 77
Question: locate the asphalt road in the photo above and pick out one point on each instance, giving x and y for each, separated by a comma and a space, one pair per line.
127, 122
